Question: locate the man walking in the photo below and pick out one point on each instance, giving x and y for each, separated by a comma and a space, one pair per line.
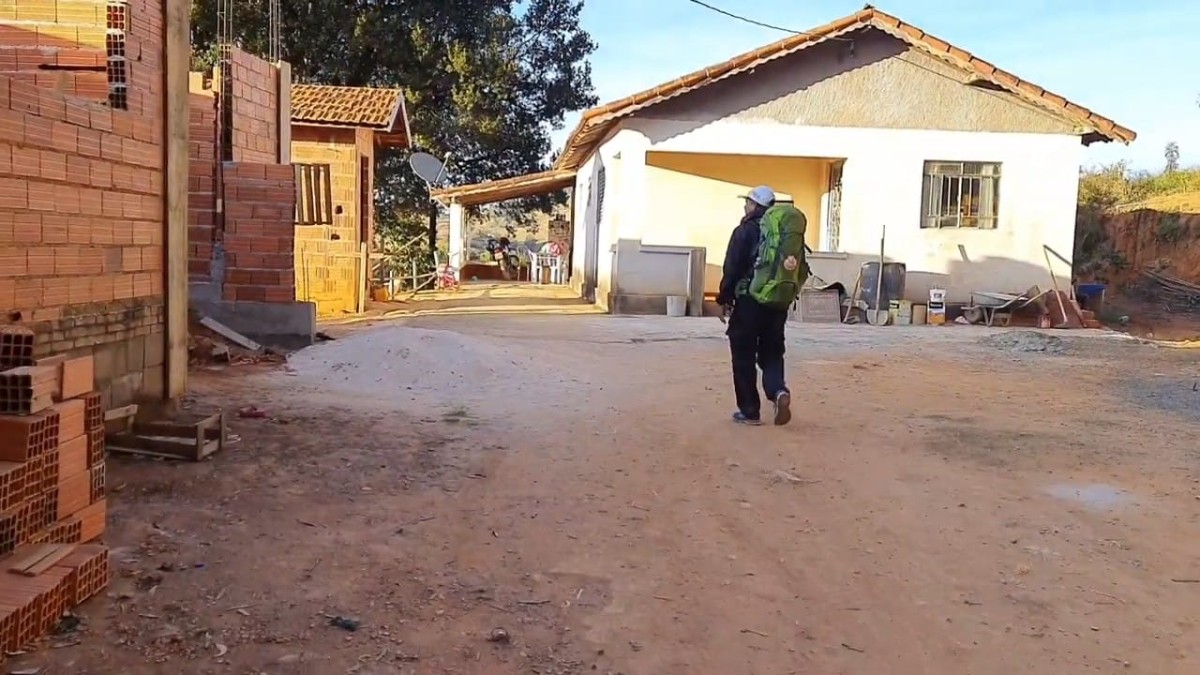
755, 330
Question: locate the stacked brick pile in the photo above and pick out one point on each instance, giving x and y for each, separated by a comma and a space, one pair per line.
51, 488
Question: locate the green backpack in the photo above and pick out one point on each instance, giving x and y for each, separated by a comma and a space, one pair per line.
781, 267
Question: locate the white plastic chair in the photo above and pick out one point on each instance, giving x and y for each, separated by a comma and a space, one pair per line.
546, 260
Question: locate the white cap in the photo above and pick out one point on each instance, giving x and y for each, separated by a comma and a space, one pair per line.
761, 195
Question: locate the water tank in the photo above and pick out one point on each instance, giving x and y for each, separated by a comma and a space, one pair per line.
894, 276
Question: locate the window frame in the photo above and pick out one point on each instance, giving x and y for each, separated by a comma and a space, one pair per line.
943, 208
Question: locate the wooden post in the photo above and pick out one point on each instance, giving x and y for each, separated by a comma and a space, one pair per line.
362, 277
283, 70
176, 60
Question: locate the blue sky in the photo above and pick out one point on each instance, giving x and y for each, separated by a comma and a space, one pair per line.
1130, 60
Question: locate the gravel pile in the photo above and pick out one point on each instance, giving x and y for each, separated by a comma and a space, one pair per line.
1026, 342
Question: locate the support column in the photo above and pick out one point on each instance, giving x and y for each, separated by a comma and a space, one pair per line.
284, 70
457, 237
176, 60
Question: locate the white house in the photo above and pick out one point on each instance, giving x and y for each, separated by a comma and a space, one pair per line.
865, 122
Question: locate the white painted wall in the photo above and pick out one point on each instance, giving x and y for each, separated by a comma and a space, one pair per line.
623, 156
458, 238
583, 223
882, 181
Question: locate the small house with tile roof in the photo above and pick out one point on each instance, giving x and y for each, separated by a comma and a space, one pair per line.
862, 123
341, 127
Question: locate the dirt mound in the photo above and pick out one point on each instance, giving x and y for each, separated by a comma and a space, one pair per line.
1148, 238
1026, 341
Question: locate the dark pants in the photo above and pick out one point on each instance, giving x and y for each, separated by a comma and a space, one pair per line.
756, 339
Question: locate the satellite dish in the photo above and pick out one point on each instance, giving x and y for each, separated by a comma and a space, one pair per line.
429, 168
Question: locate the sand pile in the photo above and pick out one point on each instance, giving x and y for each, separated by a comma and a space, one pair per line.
402, 363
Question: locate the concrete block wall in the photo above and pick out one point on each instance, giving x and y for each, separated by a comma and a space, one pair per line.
255, 105
82, 226
339, 149
260, 208
202, 178
327, 271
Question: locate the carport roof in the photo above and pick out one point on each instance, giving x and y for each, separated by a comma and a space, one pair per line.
493, 191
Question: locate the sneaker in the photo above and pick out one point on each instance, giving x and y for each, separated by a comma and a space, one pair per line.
742, 418
783, 408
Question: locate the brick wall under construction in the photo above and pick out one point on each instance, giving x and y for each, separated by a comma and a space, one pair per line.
99, 50
328, 257
81, 220
202, 177
260, 207
246, 250
56, 44
255, 105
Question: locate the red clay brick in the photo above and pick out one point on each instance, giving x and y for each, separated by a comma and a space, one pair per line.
73, 493
72, 418
73, 455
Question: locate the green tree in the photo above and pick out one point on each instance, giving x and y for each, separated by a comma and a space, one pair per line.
486, 80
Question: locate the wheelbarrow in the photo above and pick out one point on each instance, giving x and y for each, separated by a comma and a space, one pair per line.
987, 306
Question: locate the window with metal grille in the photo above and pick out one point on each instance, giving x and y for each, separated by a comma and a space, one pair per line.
117, 67
960, 194
600, 180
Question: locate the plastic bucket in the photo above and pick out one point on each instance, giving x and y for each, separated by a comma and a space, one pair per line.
1092, 296
676, 305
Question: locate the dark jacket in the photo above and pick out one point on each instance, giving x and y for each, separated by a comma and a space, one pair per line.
739, 256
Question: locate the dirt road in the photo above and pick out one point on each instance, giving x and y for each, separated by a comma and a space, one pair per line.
940, 505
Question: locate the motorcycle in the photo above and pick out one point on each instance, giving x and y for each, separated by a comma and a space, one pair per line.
502, 252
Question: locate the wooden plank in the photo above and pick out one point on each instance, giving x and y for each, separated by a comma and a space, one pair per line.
180, 447
60, 551
327, 182
143, 452
362, 278
229, 333
315, 194
177, 53
28, 556
172, 429
124, 412
298, 177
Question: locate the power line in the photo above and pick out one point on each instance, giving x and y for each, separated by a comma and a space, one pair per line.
756, 22
763, 24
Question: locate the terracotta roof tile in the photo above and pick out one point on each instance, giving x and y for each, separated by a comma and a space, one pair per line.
597, 122
381, 109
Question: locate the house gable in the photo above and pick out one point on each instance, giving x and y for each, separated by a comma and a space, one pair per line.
882, 82
597, 122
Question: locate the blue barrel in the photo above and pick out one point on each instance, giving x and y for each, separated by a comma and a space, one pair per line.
1091, 296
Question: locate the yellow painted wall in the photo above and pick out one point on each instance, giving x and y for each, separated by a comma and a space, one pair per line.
692, 198
327, 269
